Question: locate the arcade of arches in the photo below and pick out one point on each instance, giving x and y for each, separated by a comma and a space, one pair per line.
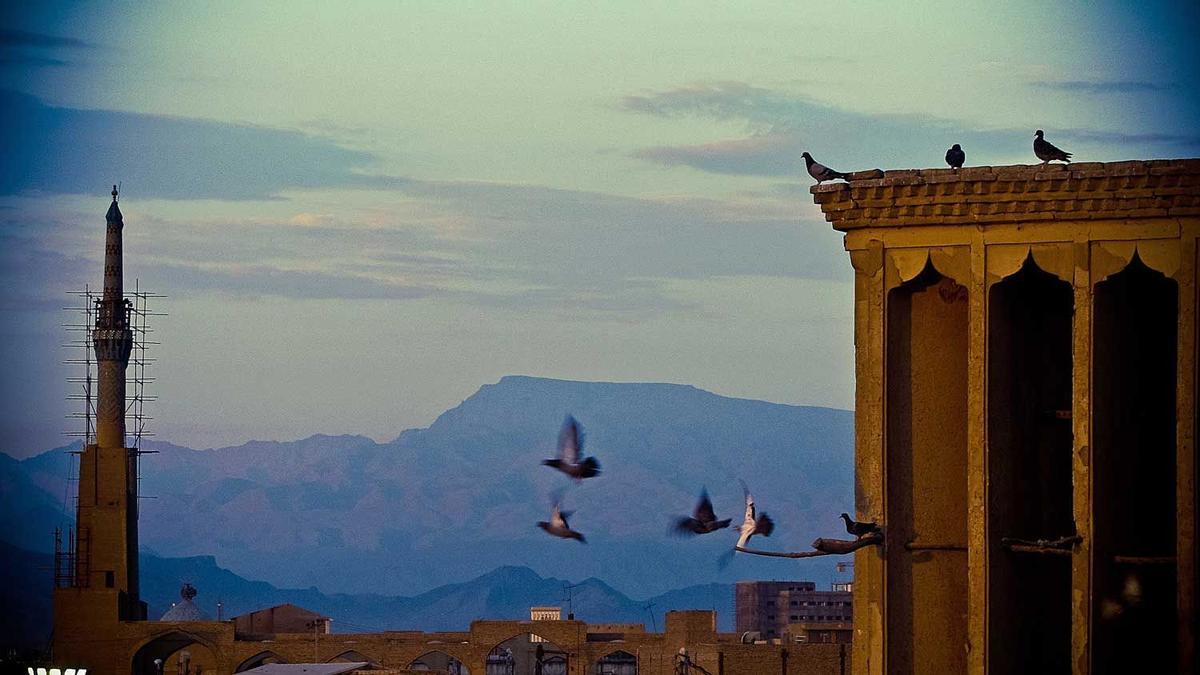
488, 648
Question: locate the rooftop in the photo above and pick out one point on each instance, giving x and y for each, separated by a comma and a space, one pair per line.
307, 668
1018, 193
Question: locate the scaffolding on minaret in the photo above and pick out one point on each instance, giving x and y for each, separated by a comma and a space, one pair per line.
82, 393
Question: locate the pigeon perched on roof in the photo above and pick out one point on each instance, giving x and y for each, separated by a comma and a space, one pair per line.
955, 156
752, 524
703, 520
570, 447
557, 525
1046, 151
859, 530
820, 171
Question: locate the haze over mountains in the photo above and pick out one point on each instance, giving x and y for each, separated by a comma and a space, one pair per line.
459, 499
503, 593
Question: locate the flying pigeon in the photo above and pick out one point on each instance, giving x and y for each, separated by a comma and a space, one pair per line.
955, 157
558, 526
820, 171
752, 525
570, 446
859, 530
703, 519
1046, 151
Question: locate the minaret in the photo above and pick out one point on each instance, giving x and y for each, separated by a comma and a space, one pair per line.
107, 514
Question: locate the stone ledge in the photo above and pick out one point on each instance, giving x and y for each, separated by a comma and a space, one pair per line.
1017, 193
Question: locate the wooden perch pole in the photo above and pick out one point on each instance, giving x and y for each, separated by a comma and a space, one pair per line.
822, 546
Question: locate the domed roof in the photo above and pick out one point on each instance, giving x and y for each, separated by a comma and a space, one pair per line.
185, 609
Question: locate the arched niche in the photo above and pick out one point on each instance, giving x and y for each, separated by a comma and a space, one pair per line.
1134, 533
439, 661
926, 469
257, 660
527, 654
1029, 461
616, 663
171, 648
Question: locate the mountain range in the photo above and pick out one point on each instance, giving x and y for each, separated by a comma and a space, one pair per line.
503, 593
459, 499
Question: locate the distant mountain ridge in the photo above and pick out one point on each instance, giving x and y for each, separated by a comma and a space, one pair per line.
460, 498
503, 593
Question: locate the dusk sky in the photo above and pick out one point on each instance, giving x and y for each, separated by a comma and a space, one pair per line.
361, 212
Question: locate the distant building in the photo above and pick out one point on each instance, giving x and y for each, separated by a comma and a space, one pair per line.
185, 609
820, 632
285, 618
545, 613
768, 607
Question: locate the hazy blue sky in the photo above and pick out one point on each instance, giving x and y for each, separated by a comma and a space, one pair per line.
363, 211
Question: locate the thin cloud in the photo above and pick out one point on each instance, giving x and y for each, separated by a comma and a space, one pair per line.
260, 280
773, 154
1101, 86
519, 247
29, 61
23, 38
780, 125
58, 150
1103, 137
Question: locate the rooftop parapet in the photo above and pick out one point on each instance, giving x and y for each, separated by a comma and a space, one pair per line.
980, 195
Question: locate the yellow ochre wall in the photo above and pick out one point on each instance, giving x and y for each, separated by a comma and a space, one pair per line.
925, 427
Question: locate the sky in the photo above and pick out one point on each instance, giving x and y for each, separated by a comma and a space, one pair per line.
362, 212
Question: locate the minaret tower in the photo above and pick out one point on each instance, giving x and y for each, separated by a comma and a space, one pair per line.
106, 547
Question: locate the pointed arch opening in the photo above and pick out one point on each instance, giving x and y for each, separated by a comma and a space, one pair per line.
1030, 492
527, 654
439, 662
353, 656
616, 663
173, 649
1134, 388
257, 660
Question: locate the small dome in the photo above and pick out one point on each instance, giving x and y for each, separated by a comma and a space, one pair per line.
185, 609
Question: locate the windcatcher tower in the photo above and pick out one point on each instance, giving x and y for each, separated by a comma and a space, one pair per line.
103, 586
1026, 411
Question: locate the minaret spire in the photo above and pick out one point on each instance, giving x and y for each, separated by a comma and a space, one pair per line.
107, 515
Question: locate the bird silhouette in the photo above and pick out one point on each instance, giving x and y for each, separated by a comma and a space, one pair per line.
821, 172
570, 447
557, 525
955, 156
703, 519
859, 530
753, 524
1046, 151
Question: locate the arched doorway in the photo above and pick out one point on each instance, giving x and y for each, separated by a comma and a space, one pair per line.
617, 663
258, 660
527, 654
173, 653
441, 662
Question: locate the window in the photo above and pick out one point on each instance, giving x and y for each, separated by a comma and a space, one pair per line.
109, 582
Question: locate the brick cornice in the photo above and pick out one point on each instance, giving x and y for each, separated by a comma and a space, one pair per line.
1019, 193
